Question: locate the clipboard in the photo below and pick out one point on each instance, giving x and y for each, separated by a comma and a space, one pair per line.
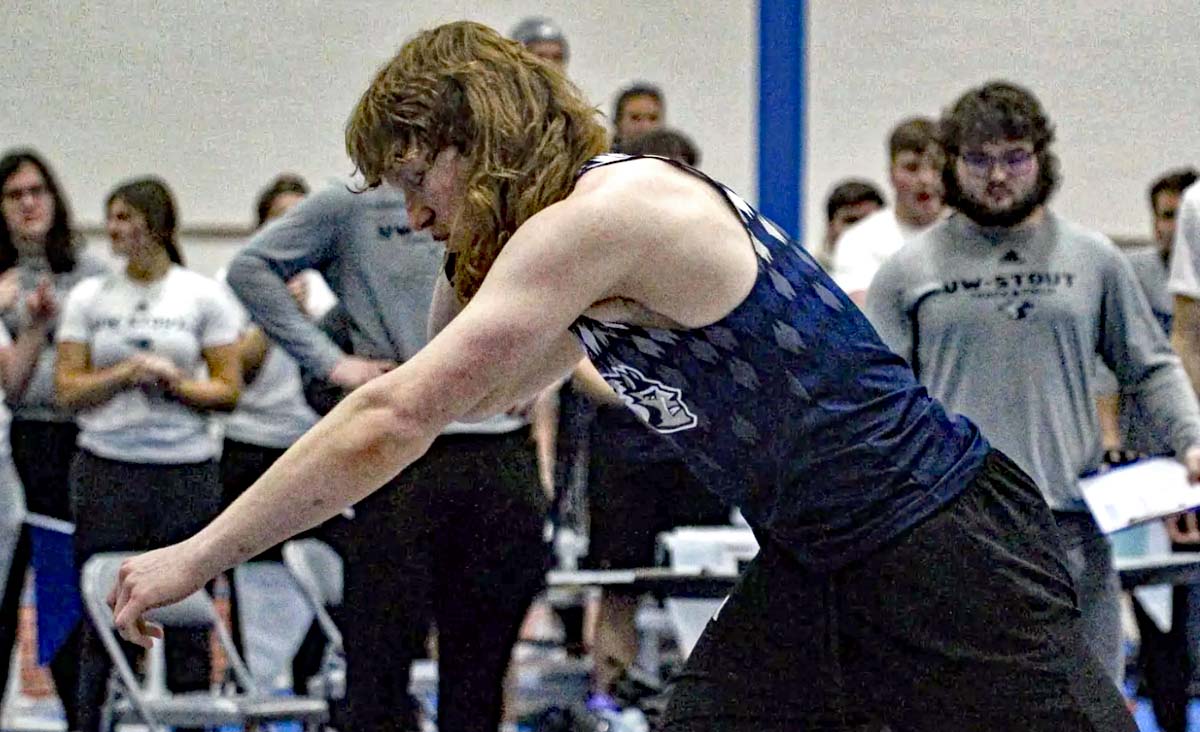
1139, 492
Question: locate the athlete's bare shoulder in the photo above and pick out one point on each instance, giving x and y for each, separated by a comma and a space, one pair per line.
693, 260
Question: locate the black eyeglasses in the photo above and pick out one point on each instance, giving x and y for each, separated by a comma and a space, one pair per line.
1014, 162
14, 195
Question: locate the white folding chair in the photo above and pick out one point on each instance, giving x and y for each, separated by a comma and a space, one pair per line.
132, 701
317, 569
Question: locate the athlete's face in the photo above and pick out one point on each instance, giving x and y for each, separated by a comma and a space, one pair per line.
917, 179
999, 181
28, 204
433, 190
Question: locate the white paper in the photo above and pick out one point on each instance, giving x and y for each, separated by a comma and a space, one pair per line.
1143, 491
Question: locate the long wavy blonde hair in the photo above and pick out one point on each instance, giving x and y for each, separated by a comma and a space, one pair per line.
523, 127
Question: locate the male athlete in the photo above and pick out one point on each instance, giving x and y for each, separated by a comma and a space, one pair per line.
873, 506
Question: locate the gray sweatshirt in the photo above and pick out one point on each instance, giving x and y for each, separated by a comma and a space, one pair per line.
382, 272
1134, 419
1004, 326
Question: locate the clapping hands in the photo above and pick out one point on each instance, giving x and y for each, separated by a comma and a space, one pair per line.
150, 370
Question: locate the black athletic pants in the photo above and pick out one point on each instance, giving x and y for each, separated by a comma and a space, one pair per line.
967, 621
241, 465
123, 506
42, 454
456, 540
1166, 659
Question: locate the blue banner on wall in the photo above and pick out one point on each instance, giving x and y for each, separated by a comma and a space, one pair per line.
56, 583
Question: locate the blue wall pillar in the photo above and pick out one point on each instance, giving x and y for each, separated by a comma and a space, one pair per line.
781, 71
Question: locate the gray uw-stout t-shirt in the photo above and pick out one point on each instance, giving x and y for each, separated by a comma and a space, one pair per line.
1004, 326
177, 316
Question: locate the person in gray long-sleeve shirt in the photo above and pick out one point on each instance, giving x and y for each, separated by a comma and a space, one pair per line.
1002, 309
458, 535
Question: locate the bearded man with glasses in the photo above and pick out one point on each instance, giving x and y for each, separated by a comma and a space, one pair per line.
1002, 310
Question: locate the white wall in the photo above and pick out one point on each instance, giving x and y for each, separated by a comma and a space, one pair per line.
1121, 80
218, 97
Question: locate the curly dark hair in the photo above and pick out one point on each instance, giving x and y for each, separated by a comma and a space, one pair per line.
997, 110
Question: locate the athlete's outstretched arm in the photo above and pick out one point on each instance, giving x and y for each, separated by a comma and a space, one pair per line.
509, 341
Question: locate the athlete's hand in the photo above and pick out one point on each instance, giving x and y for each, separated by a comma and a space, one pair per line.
152, 580
352, 371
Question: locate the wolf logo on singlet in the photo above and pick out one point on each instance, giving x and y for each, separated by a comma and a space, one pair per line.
658, 405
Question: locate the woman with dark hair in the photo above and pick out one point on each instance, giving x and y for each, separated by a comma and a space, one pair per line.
130, 347
43, 217
38, 251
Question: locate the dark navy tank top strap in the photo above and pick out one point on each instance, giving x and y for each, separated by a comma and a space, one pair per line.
790, 406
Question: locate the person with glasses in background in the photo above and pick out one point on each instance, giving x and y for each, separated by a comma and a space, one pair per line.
1003, 309
41, 256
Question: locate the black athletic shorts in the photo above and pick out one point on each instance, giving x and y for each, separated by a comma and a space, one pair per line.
966, 622
638, 487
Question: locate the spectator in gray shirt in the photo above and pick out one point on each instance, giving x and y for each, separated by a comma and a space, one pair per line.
1002, 310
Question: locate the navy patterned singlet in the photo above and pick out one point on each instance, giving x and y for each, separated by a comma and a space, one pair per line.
791, 407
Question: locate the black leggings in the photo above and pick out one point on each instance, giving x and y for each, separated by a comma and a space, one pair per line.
457, 540
42, 454
241, 465
123, 506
